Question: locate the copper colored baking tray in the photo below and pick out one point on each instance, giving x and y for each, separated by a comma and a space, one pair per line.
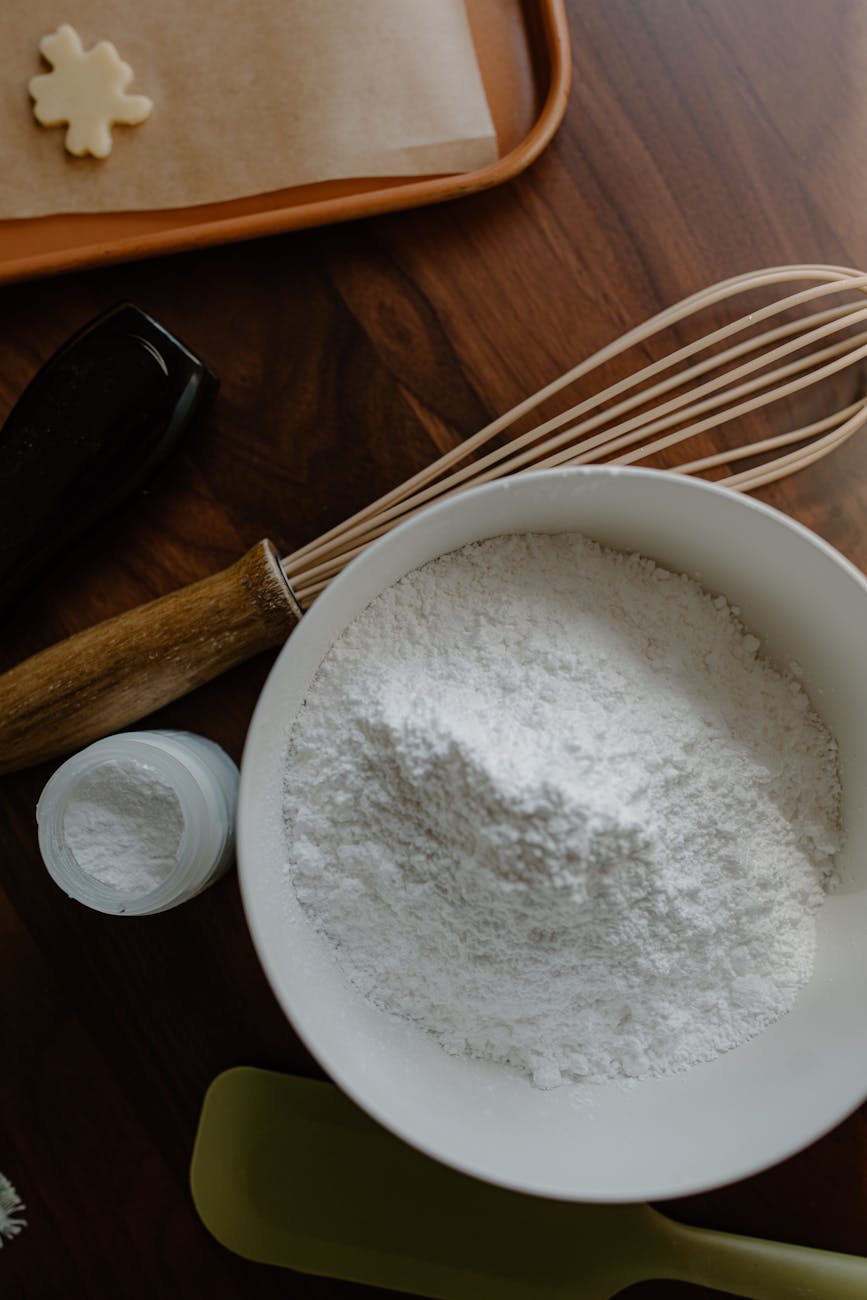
523, 51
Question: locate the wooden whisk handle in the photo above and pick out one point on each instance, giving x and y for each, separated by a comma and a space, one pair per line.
108, 676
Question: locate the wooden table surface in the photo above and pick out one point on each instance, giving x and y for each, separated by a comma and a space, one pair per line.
703, 138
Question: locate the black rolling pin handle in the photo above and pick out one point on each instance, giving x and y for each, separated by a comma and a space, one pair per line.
88, 432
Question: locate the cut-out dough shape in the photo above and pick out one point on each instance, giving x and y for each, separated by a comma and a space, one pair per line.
86, 90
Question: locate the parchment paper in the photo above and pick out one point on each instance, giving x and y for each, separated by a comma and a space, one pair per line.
249, 96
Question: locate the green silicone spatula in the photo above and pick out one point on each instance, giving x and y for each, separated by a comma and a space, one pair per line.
287, 1171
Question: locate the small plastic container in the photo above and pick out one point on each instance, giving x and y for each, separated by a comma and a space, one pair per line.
182, 776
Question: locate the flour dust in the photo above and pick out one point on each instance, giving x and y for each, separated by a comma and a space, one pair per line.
548, 801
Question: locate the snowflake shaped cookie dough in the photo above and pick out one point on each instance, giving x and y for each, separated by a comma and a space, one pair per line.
86, 91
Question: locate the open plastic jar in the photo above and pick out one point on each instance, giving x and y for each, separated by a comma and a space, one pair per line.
139, 822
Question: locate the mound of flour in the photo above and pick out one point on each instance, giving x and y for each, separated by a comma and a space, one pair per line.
547, 801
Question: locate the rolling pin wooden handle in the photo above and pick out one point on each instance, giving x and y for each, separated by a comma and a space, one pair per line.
108, 676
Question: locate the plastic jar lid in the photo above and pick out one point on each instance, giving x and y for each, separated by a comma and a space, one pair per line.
199, 780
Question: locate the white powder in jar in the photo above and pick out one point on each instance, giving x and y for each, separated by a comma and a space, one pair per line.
547, 801
123, 826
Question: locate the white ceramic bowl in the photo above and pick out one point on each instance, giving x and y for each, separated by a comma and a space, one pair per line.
660, 1138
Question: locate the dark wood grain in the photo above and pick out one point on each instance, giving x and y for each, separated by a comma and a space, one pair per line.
703, 138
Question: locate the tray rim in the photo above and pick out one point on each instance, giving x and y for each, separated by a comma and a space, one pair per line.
414, 193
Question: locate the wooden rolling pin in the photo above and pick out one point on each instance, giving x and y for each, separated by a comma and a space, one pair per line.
108, 676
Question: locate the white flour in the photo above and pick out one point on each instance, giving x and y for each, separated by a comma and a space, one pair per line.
545, 800
123, 826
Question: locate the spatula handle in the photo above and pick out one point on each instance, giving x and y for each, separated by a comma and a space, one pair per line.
108, 676
764, 1270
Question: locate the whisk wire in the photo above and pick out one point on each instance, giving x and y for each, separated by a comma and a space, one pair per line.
831, 280
736, 380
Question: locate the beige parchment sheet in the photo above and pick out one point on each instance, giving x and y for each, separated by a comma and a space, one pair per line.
249, 96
